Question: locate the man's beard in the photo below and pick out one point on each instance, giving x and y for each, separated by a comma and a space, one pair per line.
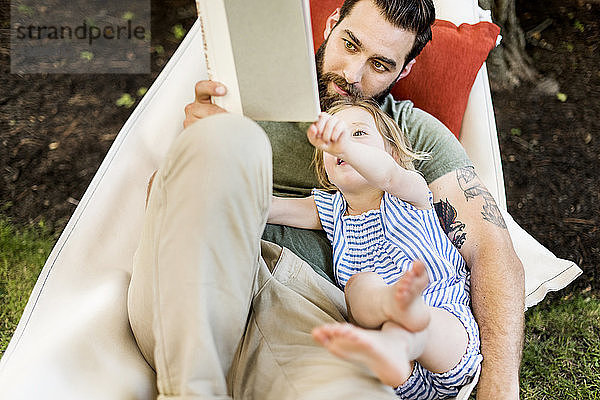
327, 98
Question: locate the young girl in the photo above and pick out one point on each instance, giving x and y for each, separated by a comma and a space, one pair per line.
406, 285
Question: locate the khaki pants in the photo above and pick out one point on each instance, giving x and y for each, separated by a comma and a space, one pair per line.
217, 312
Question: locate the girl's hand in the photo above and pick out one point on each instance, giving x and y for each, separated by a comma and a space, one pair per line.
329, 133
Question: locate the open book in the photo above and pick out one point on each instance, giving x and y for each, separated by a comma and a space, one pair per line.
262, 50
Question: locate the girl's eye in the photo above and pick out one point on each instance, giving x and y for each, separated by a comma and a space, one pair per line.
349, 45
359, 133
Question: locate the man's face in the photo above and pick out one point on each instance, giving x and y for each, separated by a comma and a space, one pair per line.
363, 55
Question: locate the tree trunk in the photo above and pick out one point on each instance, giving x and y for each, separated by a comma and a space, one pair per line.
509, 64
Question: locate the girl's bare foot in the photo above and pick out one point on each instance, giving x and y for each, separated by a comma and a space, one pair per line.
403, 301
384, 352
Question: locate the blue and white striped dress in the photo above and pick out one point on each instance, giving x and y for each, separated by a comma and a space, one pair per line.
387, 241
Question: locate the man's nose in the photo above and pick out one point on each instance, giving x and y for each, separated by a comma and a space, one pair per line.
353, 73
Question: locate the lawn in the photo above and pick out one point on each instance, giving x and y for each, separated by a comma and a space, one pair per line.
561, 357
22, 256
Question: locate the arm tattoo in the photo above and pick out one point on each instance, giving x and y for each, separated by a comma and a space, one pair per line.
453, 228
472, 188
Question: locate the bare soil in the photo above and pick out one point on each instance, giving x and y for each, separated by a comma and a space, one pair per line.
551, 148
56, 129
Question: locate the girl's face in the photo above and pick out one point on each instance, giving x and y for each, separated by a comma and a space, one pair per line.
362, 129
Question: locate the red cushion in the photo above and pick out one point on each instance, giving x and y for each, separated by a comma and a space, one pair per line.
442, 77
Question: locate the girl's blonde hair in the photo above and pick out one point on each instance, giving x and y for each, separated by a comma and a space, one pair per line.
394, 139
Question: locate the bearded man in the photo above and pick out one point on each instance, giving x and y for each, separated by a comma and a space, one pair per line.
220, 313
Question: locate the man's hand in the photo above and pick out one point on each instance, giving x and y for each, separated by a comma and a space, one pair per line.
329, 134
202, 106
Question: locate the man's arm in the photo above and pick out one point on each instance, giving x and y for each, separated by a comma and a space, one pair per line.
472, 220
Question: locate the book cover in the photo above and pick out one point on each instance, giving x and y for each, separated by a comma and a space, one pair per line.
262, 50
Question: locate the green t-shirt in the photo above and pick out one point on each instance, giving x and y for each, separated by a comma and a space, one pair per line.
293, 173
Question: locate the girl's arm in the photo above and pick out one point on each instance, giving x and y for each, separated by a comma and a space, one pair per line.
382, 171
332, 135
296, 212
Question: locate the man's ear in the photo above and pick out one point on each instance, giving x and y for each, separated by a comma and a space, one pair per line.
407, 69
331, 21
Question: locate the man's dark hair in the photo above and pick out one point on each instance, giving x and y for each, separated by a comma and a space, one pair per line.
411, 15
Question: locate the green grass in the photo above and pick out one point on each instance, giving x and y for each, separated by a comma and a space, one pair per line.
22, 255
561, 358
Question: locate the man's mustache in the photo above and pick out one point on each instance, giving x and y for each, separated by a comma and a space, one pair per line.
342, 84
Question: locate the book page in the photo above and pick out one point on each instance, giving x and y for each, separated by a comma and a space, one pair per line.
218, 54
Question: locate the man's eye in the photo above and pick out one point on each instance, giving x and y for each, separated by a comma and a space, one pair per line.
379, 66
359, 133
349, 45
